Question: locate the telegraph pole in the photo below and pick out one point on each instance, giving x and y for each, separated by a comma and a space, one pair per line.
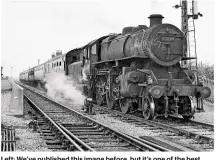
189, 13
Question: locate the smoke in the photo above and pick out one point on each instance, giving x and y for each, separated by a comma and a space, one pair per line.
62, 88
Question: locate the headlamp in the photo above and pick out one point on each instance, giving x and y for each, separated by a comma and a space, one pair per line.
205, 92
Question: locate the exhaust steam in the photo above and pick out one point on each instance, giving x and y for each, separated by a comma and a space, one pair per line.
62, 88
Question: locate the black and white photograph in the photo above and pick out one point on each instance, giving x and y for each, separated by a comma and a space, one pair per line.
108, 76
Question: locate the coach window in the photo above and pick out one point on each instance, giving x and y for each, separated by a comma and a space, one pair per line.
60, 63
57, 64
94, 49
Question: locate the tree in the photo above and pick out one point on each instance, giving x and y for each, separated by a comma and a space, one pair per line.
204, 70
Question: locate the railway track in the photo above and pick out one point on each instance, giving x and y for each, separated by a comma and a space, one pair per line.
198, 136
66, 129
185, 138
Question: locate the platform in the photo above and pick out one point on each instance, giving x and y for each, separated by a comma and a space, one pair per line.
15, 106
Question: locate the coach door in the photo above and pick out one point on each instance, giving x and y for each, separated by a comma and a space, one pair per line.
45, 70
46, 66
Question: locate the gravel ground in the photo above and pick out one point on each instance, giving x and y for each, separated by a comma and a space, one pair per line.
26, 139
207, 116
123, 126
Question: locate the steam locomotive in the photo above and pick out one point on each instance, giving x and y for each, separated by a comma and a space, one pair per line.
138, 70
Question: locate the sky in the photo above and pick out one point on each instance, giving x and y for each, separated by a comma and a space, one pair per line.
34, 29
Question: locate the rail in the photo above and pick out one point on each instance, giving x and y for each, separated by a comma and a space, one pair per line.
134, 142
57, 126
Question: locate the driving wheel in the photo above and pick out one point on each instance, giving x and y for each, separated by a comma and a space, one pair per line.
148, 108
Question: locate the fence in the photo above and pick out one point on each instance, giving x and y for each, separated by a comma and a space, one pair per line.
8, 142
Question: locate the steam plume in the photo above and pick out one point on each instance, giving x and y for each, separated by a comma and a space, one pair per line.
62, 88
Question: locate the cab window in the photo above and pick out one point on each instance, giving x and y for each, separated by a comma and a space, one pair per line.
85, 53
94, 49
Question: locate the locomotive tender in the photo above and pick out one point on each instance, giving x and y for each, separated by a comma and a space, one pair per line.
139, 70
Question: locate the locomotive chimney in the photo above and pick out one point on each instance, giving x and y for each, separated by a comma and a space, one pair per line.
155, 19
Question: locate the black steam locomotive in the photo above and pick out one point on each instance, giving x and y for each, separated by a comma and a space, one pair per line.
138, 70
